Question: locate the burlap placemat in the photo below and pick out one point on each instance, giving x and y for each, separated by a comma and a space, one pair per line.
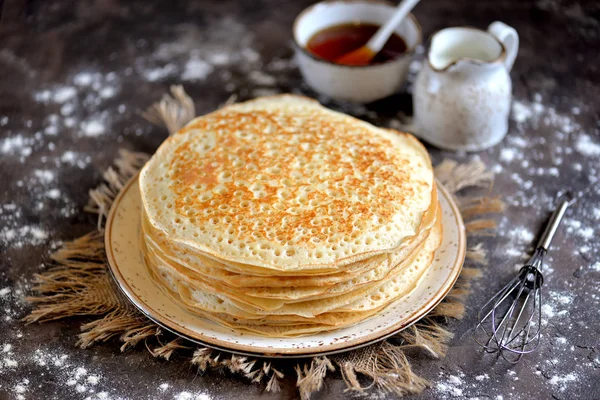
79, 284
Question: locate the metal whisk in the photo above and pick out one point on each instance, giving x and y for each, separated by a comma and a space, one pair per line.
510, 321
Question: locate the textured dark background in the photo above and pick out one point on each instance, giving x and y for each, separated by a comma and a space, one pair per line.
138, 48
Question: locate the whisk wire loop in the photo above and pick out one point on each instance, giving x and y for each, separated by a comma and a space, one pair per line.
510, 321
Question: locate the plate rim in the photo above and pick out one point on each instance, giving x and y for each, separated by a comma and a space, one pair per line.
259, 351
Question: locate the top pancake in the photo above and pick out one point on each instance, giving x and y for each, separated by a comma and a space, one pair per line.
287, 184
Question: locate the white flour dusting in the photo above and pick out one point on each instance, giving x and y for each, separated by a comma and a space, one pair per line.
562, 381
521, 112
507, 155
67, 373
73, 158
581, 229
86, 88
191, 396
63, 94
225, 43
83, 79
458, 385
522, 235
107, 92
196, 69
259, 92
53, 194
21, 388
21, 236
260, 78
44, 176
17, 145
67, 110
586, 146
519, 150
159, 73
93, 127
281, 64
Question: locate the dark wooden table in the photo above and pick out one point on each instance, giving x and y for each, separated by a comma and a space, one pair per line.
75, 74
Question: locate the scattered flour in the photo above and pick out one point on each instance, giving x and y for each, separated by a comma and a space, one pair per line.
83, 79
530, 162
556, 304
226, 45
281, 64
63, 94
18, 237
258, 92
107, 92
93, 127
73, 158
17, 145
190, 396
521, 112
561, 298
21, 388
586, 146
65, 371
452, 386
260, 78
578, 228
548, 311
44, 176
87, 89
66, 110
562, 381
196, 69
219, 59
53, 194
522, 235
561, 340
160, 73
507, 155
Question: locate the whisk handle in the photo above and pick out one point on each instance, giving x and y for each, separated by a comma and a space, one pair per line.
552, 226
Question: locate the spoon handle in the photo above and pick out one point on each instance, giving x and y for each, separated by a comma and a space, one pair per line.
382, 35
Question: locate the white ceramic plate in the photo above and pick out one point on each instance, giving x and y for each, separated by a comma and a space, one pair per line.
126, 264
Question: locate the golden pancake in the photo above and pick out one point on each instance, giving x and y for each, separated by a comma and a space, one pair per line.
286, 184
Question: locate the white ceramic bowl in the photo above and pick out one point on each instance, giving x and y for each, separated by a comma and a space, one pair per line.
360, 84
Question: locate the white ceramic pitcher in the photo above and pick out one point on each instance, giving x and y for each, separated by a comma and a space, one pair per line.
462, 94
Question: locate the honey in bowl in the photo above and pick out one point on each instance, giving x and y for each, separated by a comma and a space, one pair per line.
335, 41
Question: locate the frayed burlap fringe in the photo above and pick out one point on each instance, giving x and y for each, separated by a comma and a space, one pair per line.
126, 165
172, 112
79, 284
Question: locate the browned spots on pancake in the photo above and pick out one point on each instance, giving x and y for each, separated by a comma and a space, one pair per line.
292, 179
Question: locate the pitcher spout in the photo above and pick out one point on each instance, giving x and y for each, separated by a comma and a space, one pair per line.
453, 46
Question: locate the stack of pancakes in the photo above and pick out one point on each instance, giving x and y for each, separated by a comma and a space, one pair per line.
281, 218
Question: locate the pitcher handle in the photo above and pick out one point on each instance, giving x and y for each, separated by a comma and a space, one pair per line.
509, 37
